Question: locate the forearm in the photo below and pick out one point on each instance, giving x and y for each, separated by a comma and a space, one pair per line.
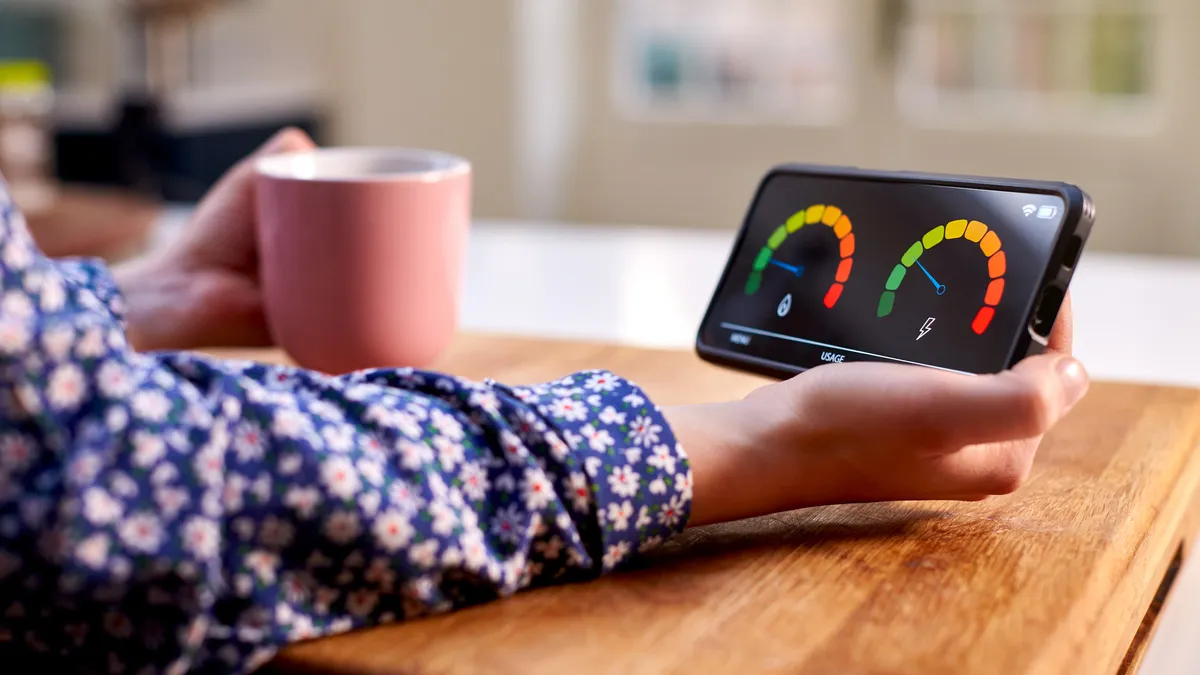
716, 444
740, 469
301, 506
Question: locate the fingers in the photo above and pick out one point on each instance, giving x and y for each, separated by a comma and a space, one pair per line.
1062, 337
1044, 389
944, 411
222, 230
988, 469
1000, 419
1034, 395
290, 139
940, 411
239, 178
916, 433
1022, 403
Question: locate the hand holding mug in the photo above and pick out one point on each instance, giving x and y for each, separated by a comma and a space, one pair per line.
203, 289
345, 258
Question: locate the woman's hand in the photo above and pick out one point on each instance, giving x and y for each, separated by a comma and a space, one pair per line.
203, 290
864, 432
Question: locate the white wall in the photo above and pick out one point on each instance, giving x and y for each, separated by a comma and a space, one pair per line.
431, 73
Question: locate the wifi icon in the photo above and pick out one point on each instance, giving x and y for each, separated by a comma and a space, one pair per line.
1029, 210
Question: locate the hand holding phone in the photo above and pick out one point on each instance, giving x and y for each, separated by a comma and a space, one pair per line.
835, 265
870, 432
964, 276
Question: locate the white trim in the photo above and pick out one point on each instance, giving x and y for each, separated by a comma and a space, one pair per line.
363, 165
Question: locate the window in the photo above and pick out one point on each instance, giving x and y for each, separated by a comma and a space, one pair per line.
783, 61
1032, 63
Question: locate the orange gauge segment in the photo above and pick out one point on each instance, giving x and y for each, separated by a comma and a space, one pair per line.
843, 273
772, 260
995, 292
847, 246
997, 265
842, 227
914, 264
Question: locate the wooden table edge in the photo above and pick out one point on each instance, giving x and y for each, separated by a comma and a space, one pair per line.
1137, 599
1164, 596
1173, 529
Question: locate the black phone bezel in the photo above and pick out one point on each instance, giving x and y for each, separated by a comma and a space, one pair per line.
1040, 314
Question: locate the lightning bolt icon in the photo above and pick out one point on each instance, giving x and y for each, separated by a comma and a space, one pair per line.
926, 328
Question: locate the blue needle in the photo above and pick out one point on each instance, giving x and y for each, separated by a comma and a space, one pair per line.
791, 268
940, 288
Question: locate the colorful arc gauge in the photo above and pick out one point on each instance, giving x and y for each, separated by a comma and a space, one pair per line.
830, 216
972, 231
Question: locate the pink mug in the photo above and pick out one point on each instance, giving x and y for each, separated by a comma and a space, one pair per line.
362, 253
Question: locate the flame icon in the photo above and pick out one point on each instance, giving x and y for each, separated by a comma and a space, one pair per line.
785, 306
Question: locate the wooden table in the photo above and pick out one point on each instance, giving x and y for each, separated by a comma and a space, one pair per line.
1065, 576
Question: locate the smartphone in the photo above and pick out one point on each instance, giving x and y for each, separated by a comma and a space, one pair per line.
834, 265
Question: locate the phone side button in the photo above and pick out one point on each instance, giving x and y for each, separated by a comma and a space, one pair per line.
1047, 310
1074, 248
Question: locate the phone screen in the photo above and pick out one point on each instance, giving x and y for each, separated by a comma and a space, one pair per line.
833, 269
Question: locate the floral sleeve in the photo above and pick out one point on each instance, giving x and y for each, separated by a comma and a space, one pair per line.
172, 513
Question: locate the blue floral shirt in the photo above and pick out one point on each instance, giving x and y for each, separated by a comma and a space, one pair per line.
174, 513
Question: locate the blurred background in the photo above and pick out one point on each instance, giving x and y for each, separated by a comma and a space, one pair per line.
617, 143
648, 112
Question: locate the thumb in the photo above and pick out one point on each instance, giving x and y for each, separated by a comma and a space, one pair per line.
222, 227
232, 191
1021, 403
290, 139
